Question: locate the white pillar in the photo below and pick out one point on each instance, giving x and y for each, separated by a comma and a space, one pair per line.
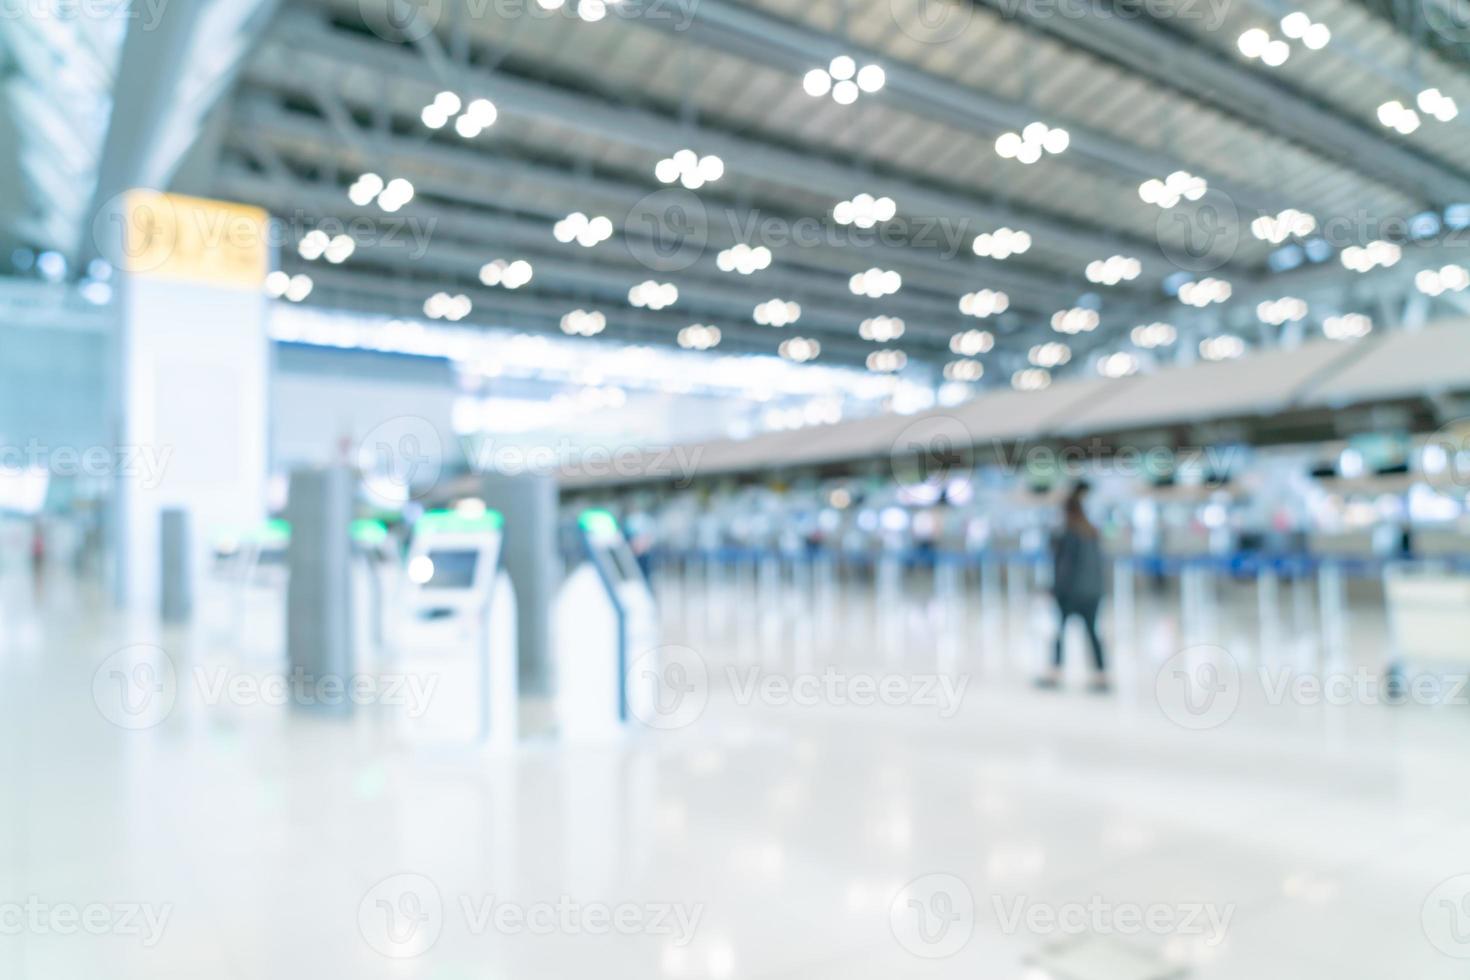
193, 369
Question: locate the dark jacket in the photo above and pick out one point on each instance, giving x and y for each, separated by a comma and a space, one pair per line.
1077, 567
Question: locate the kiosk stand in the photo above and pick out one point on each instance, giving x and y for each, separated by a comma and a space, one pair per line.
454, 572
605, 618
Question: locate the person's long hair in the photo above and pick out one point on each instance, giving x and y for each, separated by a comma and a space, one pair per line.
1076, 517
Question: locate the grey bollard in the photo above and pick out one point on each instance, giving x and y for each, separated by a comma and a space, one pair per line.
319, 619
529, 556
176, 585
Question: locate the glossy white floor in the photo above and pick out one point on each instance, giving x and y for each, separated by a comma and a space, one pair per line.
965, 825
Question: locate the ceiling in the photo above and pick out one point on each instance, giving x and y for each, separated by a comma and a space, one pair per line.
333, 89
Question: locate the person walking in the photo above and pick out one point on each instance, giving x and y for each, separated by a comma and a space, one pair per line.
1077, 583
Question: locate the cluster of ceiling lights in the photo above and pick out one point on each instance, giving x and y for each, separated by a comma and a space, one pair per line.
1222, 348
1181, 185
1299, 27
1050, 354
1031, 379
1287, 309
586, 232
511, 275
1079, 319
478, 116
799, 349
1398, 117
442, 306
1031, 142
1151, 335
1283, 225
391, 196
583, 323
1258, 43
881, 329
965, 370
875, 283
1349, 326
1119, 365
887, 361
864, 210
984, 302
1113, 270
1001, 244
1447, 279
591, 11
699, 336
279, 285
1404, 120
1203, 292
690, 169
316, 244
844, 80
1365, 258
743, 259
968, 343
650, 295
1433, 102
777, 313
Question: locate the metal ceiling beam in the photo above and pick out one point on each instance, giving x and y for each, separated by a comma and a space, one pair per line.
490, 181
480, 238
751, 33
310, 38
1264, 101
344, 288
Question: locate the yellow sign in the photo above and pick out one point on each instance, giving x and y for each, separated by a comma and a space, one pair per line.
191, 239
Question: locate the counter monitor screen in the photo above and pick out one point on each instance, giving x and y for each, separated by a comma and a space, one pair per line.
453, 569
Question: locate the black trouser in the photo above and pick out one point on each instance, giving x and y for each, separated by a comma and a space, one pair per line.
1086, 610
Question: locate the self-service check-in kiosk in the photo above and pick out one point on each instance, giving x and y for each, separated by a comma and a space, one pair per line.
605, 620
462, 600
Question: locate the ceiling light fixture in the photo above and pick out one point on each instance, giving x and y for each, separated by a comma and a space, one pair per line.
1001, 244
1031, 142
777, 313
864, 211
844, 80
690, 169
